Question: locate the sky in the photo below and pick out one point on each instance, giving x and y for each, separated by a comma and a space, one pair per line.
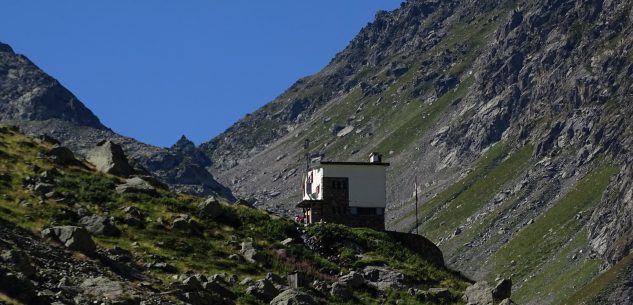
157, 70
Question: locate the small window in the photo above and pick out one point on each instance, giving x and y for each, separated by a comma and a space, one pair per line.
353, 211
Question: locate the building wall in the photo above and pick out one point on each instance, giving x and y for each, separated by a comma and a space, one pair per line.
314, 190
367, 183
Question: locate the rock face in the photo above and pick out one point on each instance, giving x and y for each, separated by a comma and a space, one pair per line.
27, 93
108, 157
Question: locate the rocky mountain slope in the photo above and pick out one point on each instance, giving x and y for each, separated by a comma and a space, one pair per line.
39, 104
72, 235
514, 116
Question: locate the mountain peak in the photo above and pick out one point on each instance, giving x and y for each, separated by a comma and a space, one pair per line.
36, 96
182, 143
5, 48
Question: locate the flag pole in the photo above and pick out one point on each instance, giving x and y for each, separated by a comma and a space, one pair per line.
416, 204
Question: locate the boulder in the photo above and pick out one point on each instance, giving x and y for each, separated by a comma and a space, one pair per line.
438, 293
99, 225
108, 157
507, 302
352, 280
340, 291
185, 223
62, 156
251, 254
383, 278
210, 209
102, 287
294, 297
263, 290
502, 290
73, 238
479, 293
43, 188
136, 185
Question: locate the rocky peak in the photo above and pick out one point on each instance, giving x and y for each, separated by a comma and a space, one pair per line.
5, 48
183, 144
29, 94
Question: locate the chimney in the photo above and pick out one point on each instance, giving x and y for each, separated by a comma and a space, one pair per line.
375, 158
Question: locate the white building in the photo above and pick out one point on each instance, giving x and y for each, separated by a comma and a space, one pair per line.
351, 193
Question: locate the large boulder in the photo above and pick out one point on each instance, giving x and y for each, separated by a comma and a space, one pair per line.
263, 290
73, 238
99, 225
136, 185
62, 156
294, 297
352, 280
103, 287
383, 277
481, 293
210, 209
108, 157
502, 290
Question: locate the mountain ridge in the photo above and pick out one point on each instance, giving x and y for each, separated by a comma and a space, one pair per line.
39, 104
502, 109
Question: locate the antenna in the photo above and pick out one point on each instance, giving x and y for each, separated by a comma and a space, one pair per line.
306, 146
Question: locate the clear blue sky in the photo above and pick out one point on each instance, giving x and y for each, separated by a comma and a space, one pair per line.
155, 70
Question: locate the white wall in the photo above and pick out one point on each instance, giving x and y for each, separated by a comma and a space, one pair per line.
367, 186
317, 184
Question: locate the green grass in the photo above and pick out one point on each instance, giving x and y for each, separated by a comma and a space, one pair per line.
450, 208
560, 277
546, 239
416, 122
601, 283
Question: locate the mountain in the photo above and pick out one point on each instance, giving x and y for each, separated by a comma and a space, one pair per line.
30, 94
39, 104
515, 117
71, 235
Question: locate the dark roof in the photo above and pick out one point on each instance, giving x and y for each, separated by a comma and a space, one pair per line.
354, 163
308, 203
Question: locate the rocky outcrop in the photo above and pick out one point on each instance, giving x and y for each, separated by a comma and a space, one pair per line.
108, 157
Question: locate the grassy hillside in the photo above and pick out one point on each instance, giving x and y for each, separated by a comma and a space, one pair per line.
206, 248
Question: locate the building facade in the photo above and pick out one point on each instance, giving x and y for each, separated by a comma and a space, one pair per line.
350, 193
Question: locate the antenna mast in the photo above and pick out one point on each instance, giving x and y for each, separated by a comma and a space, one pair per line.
306, 146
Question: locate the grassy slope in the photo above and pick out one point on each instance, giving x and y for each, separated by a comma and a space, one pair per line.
446, 211
600, 284
207, 251
539, 257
